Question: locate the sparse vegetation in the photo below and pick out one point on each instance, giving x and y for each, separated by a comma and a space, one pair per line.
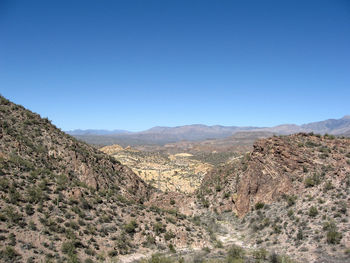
86, 207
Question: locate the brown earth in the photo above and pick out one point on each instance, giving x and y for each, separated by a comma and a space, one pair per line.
291, 194
63, 200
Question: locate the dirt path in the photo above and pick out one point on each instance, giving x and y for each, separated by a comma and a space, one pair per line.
232, 237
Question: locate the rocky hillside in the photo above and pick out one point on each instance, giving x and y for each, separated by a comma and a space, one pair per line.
291, 193
64, 201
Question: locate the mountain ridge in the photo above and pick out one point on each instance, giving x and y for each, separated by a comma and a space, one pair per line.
198, 132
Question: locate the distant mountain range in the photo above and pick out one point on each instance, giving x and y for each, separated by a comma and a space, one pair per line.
96, 132
199, 132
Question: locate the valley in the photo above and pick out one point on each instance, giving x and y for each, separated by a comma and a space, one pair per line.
167, 168
249, 197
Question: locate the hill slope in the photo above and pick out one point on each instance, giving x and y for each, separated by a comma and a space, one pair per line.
291, 193
65, 201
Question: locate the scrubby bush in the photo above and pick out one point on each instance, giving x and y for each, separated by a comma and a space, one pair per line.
68, 248
290, 199
312, 180
313, 211
122, 243
328, 186
300, 234
260, 254
159, 228
259, 205
14, 195
130, 227
332, 234
333, 237
35, 195
29, 209
235, 252
113, 253
169, 235
9, 254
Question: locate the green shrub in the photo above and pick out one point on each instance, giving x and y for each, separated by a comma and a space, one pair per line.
9, 254
290, 199
172, 248
130, 227
205, 203
313, 211
62, 181
260, 253
122, 243
290, 213
35, 195
333, 237
113, 253
68, 248
14, 195
274, 258
29, 209
12, 215
328, 186
235, 252
159, 228
259, 205
4, 185
169, 235
300, 234
312, 180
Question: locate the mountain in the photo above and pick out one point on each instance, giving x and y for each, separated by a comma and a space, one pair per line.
163, 135
96, 132
290, 193
346, 134
240, 142
199, 132
65, 201
196, 131
331, 126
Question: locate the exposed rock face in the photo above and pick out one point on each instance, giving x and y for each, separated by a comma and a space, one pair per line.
271, 168
291, 193
111, 149
277, 166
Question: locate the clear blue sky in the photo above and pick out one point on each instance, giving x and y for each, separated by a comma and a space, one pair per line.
136, 64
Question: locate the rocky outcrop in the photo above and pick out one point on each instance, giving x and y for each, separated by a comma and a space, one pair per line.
277, 166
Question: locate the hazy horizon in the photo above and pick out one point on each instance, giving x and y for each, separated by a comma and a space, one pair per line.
162, 126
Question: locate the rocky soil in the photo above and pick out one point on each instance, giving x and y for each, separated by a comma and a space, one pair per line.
64, 201
291, 194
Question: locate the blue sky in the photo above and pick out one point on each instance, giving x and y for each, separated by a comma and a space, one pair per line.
137, 64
